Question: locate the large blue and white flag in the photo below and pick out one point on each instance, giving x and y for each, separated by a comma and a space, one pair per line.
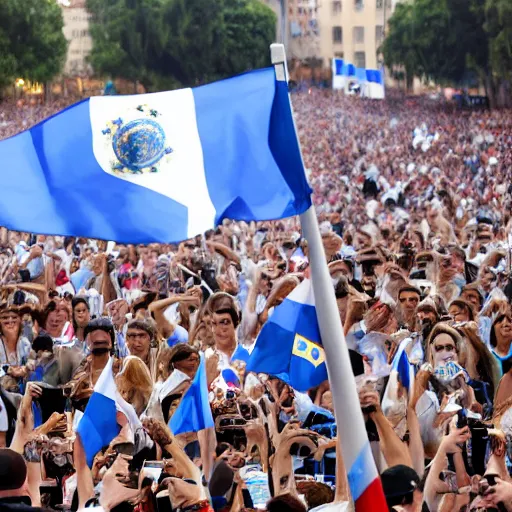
158, 167
289, 344
193, 412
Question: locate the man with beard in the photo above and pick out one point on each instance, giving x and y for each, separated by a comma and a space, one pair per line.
99, 336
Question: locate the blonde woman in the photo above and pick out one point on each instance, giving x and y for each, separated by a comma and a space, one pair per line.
134, 383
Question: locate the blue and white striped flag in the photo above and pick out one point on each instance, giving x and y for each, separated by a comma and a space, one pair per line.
159, 167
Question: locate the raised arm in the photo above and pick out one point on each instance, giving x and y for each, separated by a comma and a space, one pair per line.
224, 251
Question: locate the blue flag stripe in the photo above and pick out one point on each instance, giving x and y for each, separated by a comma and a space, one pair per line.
250, 143
403, 369
193, 412
98, 425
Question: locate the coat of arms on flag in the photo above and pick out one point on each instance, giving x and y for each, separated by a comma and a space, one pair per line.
308, 350
137, 141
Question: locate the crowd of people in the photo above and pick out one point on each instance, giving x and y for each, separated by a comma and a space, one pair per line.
414, 205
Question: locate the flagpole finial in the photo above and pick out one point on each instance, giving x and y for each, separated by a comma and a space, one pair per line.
278, 57
277, 53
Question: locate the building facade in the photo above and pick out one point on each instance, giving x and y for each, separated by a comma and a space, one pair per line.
300, 27
304, 31
353, 30
76, 31
323, 29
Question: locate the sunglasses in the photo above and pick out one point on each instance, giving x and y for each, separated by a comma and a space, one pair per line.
448, 348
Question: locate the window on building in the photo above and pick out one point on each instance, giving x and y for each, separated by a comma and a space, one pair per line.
337, 35
339, 55
379, 4
379, 34
74, 33
358, 34
359, 5
360, 59
336, 7
388, 4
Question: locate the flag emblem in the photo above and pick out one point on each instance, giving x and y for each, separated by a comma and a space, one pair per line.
308, 350
137, 142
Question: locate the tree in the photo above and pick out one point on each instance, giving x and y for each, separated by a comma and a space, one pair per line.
250, 28
32, 44
165, 43
448, 41
433, 39
400, 46
122, 50
499, 26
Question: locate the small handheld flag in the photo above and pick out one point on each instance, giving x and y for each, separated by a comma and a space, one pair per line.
193, 412
98, 426
289, 344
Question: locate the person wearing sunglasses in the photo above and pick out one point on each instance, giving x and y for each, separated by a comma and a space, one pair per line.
443, 346
446, 353
100, 336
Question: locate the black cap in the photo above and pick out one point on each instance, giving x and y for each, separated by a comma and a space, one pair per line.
399, 481
43, 342
13, 470
101, 324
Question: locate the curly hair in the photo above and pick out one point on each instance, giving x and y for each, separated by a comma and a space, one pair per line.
316, 493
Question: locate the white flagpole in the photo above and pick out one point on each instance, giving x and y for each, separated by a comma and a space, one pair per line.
343, 387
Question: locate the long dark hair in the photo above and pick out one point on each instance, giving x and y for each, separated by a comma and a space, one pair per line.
74, 303
492, 339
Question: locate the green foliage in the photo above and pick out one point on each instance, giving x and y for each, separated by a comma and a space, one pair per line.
399, 47
250, 29
448, 40
165, 43
499, 26
32, 44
